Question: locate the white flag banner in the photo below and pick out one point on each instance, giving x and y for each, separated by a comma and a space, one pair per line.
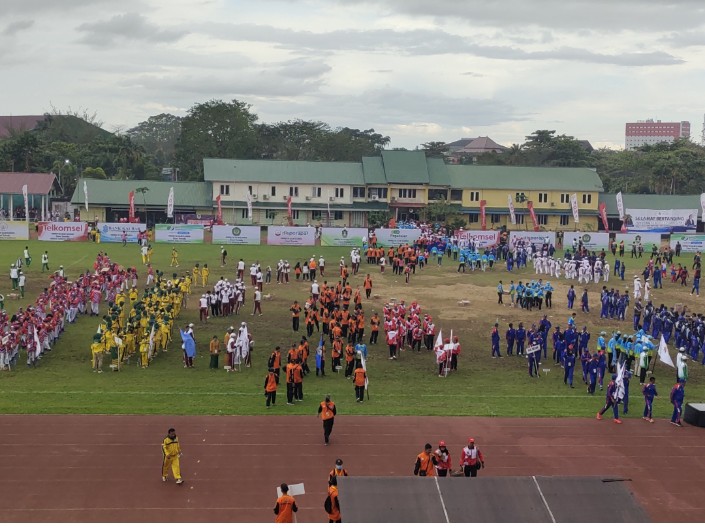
170, 204
574, 205
619, 382
620, 206
26, 202
512, 215
363, 362
663, 354
702, 204
37, 342
249, 206
85, 194
439, 339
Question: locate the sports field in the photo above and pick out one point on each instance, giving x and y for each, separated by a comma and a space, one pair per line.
64, 382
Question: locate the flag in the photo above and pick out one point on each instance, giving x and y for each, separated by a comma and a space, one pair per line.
328, 206
663, 354
26, 202
38, 349
151, 342
574, 205
530, 205
702, 204
619, 381
483, 216
288, 207
248, 197
603, 215
220, 210
131, 199
170, 203
85, 194
620, 206
439, 339
512, 215
364, 366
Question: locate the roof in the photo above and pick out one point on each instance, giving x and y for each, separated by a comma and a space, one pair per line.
481, 144
373, 170
438, 172
11, 124
658, 202
524, 178
115, 193
462, 142
287, 172
37, 183
405, 167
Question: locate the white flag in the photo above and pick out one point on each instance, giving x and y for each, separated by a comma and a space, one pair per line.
170, 203
620, 206
85, 193
249, 206
150, 351
36, 341
364, 366
702, 204
663, 354
619, 382
512, 215
574, 205
439, 339
26, 202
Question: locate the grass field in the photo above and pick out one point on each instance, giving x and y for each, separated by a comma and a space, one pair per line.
64, 382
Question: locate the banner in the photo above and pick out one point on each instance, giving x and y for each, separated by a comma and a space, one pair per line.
482, 239
14, 231
249, 206
620, 206
702, 204
534, 221
343, 236
690, 243
131, 198
603, 215
483, 215
62, 231
526, 238
179, 233
112, 231
512, 214
85, 194
236, 235
661, 221
170, 204
595, 242
643, 238
26, 202
219, 217
288, 207
395, 237
574, 206
291, 236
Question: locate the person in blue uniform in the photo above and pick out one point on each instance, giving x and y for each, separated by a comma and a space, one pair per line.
677, 398
625, 399
592, 374
585, 302
521, 338
532, 358
611, 401
544, 328
601, 367
569, 368
649, 392
584, 340
510, 336
585, 358
495, 341
571, 297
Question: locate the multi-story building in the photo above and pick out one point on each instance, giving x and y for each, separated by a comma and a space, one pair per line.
650, 132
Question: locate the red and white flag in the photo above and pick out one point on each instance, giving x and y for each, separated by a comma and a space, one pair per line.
603, 215
288, 207
131, 197
512, 214
483, 215
26, 202
85, 196
249, 205
220, 209
534, 220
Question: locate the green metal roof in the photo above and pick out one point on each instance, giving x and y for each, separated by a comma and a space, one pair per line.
405, 167
523, 178
286, 172
649, 202
373, 170
438, 172
115, 193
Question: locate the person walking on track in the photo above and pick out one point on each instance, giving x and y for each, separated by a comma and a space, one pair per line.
425, 462
471, 459
285, 506
327, 411
172, 452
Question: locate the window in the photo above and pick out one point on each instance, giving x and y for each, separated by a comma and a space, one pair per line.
407, 193
520, 218
543, 198
316, 215
474, 217
456, 194
295, 214
293, 191
274, 191
565, 198
338, 215
339, 192
587, 198
358, 192
379, 192
243, 213
249, 189
316, 192
270, 214
224, 189
564, 220
494, 218
474, 196
542, 219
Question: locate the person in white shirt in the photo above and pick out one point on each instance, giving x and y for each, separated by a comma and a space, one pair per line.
241, 269
258, 302
321, 266
27, 257
253, 275
21, 281
203, 307
14, 276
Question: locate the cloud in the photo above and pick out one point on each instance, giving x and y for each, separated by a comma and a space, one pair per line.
39, 7
15, 27
685, 39
472, 74
129, 26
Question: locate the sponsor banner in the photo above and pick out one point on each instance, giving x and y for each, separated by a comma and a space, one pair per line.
529, 237
62, 231
112, 231
661, 221
236, 235
482, 239
644, 238
14, 231
179, 233
291, 236
591, 241
690, 243
395, 237
343, 236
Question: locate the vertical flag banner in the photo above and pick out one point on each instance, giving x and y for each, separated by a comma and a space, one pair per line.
483, 216
85, 194
512, 214
249, 206
663, 353
702, 204
131, 198
170, 203
620, 209
220, 210
26, 202
603, 215
534, 220
574, 205
288, 207
328, 205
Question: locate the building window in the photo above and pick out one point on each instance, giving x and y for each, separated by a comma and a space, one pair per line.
542, 219
543, 198
407, 193
377, 193
495, 218
225, 189
274, 191
293, 191
456, 194
339, 192
243, 213
316, 192
565, 198
249, 189
474, 196
270, 214
587, 198
564, 220
316, 215
338, 215
358, 192
520, 218
474, 217
295, 214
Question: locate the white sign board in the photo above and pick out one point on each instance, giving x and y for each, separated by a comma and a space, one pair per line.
661, 221
236, 235
63, 231
179, 233
112, 231
291, 236
482, 239
14, 231
343, 236
644, 238
297, 489
593, 241
690, 243
527, 238
397, 236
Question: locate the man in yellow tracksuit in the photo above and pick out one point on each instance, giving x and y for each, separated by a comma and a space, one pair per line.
172, 453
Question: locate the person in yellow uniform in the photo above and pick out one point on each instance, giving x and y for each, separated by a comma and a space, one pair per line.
144, 353
97, 354
150, 251
204, 275
172, 452
196, 273
174, 258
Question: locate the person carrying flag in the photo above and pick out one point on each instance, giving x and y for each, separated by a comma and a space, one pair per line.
611, 401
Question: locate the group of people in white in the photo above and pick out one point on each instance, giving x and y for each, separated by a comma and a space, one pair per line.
572, 269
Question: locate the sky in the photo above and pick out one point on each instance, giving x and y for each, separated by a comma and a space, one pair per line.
414, 70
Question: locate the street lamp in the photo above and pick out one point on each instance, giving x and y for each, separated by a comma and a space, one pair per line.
61, 183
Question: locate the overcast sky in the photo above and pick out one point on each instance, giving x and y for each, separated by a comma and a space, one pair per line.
415, 70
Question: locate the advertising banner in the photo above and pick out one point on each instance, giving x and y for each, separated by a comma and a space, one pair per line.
690, 243
482, 239
179, 233
534, 220
291, 236
644, 238
526, 238
594, 242
603, 216
236, 235
483, 214
63, 231
512, 213
14, 231
112, 231
343, 236
394, 237
661, 221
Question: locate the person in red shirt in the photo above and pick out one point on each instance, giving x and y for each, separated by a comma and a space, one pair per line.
443, 464
471, 459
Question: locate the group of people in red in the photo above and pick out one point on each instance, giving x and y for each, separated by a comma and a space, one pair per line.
438, 462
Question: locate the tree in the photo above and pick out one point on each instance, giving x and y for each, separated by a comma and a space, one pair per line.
144, 191
378, 219
158, 136
94, 172
435, 149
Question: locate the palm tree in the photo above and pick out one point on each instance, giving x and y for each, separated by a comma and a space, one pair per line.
143, 190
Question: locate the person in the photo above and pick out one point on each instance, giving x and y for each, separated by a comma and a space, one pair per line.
443, 464
471, 459
270, 387
189, 346
359, 378
223, 256
27, 257
285, 506
172, 452
569, 362
327, 411
611, 401
425, 463
332, 505
21, 282
500, 292
338, 470
677, 397
214, 348
45, 261
258, 302
174, 257
649, 391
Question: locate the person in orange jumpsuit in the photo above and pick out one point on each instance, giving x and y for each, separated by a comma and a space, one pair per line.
332, 504
285, 507
426, 462
270, 387
327, 412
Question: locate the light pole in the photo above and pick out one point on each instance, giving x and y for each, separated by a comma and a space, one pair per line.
61, 183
